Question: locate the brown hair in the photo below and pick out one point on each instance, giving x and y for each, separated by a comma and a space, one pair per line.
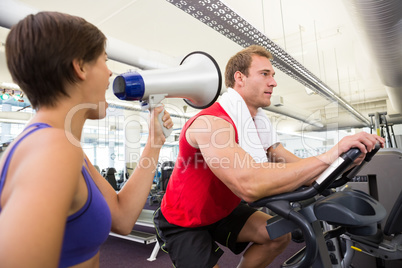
40, 50
241, 62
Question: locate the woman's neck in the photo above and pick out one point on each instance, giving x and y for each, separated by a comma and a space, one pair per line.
72, 122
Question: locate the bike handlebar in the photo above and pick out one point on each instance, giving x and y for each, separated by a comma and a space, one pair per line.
280, 203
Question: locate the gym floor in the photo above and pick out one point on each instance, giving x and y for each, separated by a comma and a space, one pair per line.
122, 253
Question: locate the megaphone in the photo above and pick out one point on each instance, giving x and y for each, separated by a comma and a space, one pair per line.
197, 80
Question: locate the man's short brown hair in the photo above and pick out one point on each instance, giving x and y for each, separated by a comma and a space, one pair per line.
241, 62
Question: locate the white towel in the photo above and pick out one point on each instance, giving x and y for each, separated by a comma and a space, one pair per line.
255, 136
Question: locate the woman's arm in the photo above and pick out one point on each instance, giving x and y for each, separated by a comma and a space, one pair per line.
38, 196
127, 205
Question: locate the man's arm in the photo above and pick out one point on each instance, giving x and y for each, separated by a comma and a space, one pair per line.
250, 180
278, 154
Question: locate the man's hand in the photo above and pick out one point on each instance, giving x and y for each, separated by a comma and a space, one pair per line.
365, 142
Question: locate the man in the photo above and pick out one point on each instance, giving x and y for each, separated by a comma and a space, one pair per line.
224, 158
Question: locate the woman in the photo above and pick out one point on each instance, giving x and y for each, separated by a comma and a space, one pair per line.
55, 208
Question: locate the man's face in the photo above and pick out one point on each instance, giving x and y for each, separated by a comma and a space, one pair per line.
258, 86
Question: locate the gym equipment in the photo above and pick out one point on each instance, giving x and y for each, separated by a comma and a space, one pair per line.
382, 177
156, 195
353, 212
386, 243
144, 219
383, 128
391, 130
109, 175
382, 180
167, 169
198, 80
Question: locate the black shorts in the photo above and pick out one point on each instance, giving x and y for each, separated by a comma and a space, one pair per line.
196, 247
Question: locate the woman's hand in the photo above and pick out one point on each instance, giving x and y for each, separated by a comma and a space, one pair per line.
156, 136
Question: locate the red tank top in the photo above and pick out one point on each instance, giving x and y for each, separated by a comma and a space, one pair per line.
195, 196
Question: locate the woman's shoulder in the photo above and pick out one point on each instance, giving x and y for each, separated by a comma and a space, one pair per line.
45, 157
51, 145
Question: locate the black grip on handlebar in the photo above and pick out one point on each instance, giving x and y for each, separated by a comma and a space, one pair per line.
352, 154
336, 169
370, 155
350, 174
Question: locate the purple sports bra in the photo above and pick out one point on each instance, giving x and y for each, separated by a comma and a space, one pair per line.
86, 229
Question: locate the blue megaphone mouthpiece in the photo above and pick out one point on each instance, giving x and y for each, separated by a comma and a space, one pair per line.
129, 86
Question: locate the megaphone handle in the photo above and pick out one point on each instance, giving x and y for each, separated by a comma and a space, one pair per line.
166, 131
152, 102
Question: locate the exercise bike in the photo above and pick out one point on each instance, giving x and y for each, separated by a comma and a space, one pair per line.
352, 214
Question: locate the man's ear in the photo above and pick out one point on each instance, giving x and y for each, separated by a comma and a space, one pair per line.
78, 66
238, 76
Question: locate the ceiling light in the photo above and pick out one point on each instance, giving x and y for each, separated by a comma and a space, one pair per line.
4, 96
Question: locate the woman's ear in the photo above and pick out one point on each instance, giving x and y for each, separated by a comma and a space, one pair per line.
78, 66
